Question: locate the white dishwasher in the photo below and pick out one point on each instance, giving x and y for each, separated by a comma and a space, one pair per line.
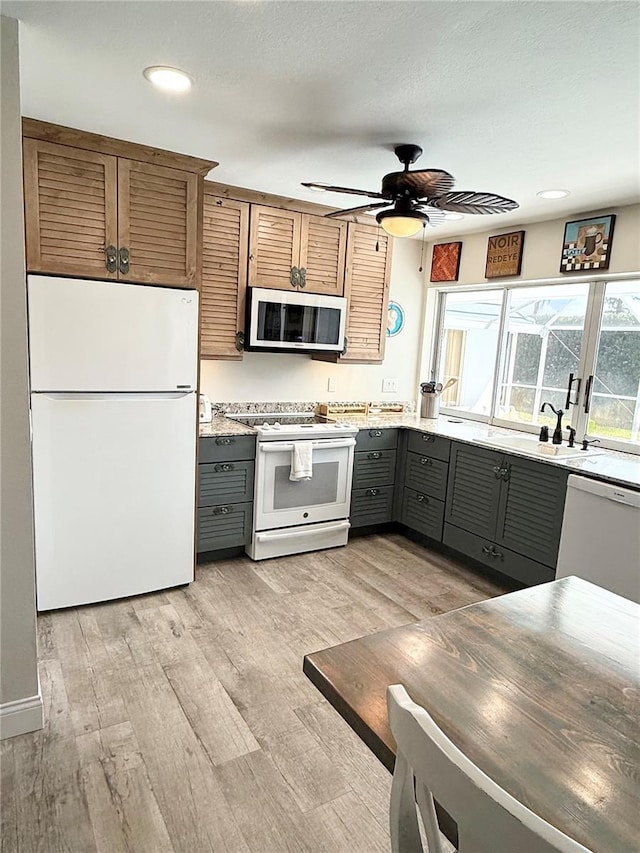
600, 539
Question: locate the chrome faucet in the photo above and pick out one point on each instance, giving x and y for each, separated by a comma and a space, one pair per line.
557, 433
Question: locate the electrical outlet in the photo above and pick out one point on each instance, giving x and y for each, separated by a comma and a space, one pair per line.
331, 383
389, 386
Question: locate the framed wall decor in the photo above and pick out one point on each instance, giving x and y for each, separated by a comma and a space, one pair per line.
587, 244
445, 261
504, 255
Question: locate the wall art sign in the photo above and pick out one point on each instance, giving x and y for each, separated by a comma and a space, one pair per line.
445, 261
504, 255
395, 319
587, 244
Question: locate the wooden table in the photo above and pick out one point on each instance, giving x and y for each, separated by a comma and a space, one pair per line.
540, 688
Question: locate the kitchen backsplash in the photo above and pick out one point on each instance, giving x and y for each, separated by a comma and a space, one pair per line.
236, 408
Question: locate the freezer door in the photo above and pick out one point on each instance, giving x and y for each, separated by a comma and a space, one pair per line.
109, 336
114, 488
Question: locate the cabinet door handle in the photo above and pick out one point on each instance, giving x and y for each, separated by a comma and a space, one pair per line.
222, 510
375, 433
224, 468
225, 441
428, 437
124, 260
486, 551
374, 455
111, 261
422, 499
302, 272
372, 493
424, 460
506, 472
496, 554
497, 471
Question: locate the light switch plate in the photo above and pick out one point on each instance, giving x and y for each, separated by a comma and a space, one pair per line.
389, 386
331, 383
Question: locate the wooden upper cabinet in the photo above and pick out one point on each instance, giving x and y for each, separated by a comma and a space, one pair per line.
70, 209
157, 224
368, 275
322, 253
282, 240
274, 246
97, 207
224, 275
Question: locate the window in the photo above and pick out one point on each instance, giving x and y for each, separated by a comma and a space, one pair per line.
575, 345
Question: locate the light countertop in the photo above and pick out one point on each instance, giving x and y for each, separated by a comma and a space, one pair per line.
620, 468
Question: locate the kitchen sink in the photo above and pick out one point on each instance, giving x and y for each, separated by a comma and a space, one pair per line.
531, 444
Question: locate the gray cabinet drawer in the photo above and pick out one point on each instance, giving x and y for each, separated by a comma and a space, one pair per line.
497, 557
374, 468
224, 526
422, 513
222, 448
377, 439
429, 444
225, 482
427, 475
371, 506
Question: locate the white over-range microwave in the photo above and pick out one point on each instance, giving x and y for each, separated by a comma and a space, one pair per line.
283, 321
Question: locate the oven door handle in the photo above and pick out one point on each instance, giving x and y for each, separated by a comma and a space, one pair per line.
278, 447
271, 537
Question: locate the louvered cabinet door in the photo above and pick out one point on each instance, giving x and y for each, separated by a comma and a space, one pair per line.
531, 509
274, 246
473, 491
367, 290
70, 198
157, 224
224, 275
323, 245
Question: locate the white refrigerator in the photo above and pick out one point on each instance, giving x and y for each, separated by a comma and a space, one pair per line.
113, 371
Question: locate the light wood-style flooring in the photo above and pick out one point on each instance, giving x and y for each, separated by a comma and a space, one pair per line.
181, 720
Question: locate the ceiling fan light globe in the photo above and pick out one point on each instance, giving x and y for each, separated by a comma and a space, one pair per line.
401, 224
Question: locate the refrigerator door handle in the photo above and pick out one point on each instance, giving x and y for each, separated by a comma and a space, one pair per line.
114, 395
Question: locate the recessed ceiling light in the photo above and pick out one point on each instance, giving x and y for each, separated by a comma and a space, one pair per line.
452, 216
553, 193
169, 79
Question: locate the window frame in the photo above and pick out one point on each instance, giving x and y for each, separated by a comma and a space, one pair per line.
576, 416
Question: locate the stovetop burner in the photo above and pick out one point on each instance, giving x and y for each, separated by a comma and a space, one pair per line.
280, 418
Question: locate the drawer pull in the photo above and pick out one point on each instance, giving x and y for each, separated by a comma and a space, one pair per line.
428, 437
426, 461
222, 510
422, 499
372, 493
486, 551
373, 455
375, 433
224, 468
490, 551
225, 441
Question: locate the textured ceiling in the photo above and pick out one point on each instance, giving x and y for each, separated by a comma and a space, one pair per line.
512, 97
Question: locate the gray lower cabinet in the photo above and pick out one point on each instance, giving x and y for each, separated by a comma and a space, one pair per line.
427, 475
423, 513
225, 491
505, 511
374, 473
501, 559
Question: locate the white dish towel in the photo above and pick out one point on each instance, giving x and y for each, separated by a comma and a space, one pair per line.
301, 461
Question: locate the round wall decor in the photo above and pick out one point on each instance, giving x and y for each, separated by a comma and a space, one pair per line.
395, 319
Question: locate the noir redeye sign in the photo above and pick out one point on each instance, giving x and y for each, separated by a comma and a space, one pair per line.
504, 255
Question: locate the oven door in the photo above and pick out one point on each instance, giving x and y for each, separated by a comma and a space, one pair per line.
281, 502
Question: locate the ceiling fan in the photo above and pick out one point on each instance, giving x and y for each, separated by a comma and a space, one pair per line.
418, 198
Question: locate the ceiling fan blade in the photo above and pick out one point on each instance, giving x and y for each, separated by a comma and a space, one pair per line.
363, 209
436, 217
429, 183
467, 201
331, 189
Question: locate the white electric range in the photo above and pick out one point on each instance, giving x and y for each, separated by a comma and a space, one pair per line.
290, 517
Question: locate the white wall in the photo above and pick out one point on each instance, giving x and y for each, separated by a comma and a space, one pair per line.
20, 703
543, 246
270, 377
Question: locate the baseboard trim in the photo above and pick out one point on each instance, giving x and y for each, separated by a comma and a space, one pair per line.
21, 716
